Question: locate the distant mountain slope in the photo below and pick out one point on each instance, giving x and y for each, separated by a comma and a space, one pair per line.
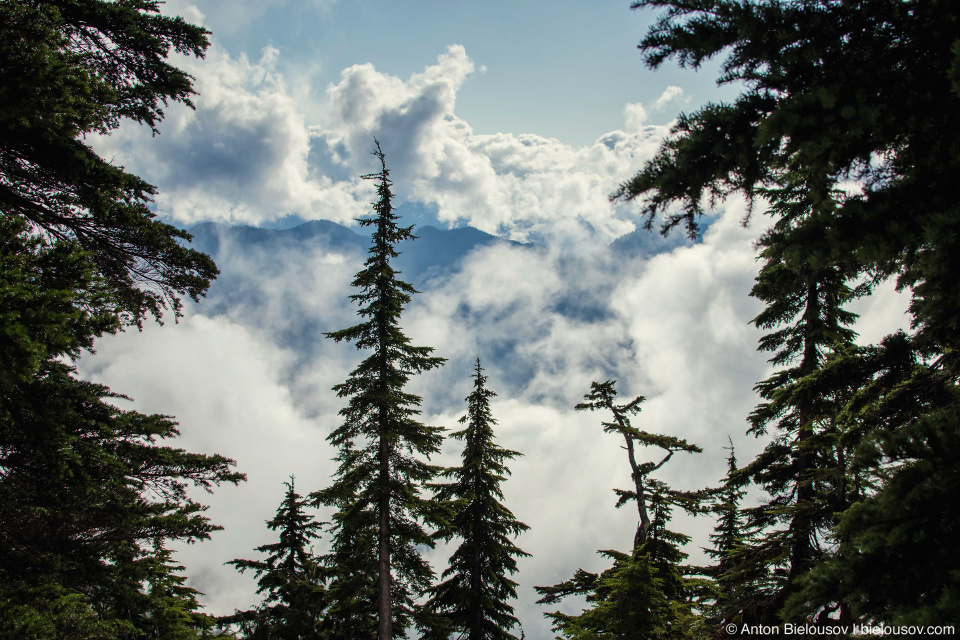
435, 251
209, 236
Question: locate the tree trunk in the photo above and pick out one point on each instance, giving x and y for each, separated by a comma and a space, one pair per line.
385, 621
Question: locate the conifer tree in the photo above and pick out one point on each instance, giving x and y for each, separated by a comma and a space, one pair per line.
381, 513
645, 593
70, 68
90, 495
474, 600
738, 583
853, 106
85, 490
601, 397
798, 468
290, 578
624, 602
729, 527
172, 607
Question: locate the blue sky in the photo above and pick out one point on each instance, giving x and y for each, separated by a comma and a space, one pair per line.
517, 118
559, 69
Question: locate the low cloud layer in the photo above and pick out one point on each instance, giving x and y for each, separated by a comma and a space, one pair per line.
249, 375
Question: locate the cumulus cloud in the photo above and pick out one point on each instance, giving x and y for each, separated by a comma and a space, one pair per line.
524, 187
248, 154
635, 115
670, 94
248, 374
242, 156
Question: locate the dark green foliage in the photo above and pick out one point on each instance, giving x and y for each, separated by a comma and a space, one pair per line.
739, 583
74, 67
474, 598
729, 528
53, 612
896, 558
290, 578
626, 601
51, 302
644, 594
375, 568
847, 126
90, 495
85, 491
803, 467
171, 606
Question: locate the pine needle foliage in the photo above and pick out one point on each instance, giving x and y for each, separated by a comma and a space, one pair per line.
803, 466
381, 513
90, 495
70, 68
474, 599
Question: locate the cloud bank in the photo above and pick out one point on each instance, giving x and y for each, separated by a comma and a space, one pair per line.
249, 155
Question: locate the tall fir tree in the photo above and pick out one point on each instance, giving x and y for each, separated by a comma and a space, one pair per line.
290, 579
737, 582
377, 490
799, 467
474, 600
173, 608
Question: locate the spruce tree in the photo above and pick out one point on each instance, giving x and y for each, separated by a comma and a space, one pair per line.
90, 495
290, 578
172, 607
381, 512
474, 599
737, 582
624, 602
85, 491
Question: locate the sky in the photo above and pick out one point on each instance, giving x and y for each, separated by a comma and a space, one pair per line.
517, 118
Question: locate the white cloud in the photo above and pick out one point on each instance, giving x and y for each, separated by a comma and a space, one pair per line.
247, 154
670, 94
242, 156
253, 382
520, 186
635, 115
224, 384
